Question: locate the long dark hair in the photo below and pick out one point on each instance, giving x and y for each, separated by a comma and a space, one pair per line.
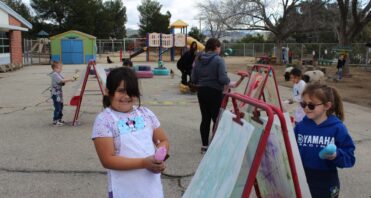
114, 79
326, 94
192, 49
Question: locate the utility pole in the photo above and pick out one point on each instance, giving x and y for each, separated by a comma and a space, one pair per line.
199, 18
200, 24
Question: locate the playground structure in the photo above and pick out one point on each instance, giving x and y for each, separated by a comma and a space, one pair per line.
165, 43
143, 71
37, 51
160, 45
41, 46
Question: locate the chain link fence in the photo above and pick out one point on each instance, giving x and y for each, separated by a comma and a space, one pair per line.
38, 51
358, 54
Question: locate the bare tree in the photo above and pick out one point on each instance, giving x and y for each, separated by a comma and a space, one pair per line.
214, 24
353, 17
279, 17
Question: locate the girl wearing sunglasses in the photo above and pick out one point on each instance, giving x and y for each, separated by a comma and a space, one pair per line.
321, 126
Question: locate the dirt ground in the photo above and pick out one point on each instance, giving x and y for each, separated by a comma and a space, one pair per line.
355, 89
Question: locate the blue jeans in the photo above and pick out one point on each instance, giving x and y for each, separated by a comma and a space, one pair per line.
340, 73
58, 108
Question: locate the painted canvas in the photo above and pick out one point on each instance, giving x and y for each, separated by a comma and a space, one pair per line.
258, 88
270, 92
253, 88
274, 175
218, 171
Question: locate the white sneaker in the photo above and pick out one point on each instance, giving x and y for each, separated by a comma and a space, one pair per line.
203, 149
58, 124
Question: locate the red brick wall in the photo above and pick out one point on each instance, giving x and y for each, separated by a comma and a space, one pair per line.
13, 21
16, 47
15, 42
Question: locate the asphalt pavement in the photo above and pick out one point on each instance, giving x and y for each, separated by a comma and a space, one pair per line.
39, 160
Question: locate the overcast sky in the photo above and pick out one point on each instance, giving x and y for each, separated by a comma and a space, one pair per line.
185, 10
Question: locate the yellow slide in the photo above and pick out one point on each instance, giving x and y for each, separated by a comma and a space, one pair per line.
200, 46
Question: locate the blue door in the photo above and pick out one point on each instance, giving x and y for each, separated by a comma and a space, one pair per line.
72, 51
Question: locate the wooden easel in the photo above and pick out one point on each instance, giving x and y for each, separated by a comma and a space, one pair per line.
76, 100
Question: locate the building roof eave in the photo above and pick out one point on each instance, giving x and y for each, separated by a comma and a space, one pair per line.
10, 11
72, 31
12, 27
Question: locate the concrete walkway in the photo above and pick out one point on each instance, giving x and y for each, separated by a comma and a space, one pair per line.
39, 160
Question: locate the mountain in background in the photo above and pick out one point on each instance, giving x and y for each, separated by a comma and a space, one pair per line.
131, 32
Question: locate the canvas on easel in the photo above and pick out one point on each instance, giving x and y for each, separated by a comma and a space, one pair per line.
218, 171
262, 85
274, 178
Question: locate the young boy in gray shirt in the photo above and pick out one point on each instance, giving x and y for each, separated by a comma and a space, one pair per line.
56, 92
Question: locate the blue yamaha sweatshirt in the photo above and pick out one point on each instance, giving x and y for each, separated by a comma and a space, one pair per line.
312, 138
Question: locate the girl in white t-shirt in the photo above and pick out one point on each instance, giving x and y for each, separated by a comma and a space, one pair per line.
297, 89
126, 137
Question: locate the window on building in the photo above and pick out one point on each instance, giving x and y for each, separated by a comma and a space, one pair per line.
4, 42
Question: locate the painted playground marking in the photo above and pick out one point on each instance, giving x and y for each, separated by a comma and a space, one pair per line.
170, 103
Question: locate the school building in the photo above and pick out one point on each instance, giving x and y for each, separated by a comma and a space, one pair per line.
11, 26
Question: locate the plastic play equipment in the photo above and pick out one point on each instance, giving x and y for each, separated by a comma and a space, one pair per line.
228, 51
143, 71
172, 42
161, 70
200, 46
163, 42
137, 52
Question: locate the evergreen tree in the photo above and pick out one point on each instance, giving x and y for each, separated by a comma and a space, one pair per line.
82, 15
196, 34
103, 20
116, 12
19, 7
55, 11
151, 20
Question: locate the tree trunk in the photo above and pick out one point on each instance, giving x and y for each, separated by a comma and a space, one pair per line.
344, 43
278, 52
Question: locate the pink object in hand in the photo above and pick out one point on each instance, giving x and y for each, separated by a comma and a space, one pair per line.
160, 153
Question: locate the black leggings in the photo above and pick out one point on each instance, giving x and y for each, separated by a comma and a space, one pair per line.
185, 74
210, 100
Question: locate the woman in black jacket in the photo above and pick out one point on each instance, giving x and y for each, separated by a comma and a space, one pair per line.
185, 63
